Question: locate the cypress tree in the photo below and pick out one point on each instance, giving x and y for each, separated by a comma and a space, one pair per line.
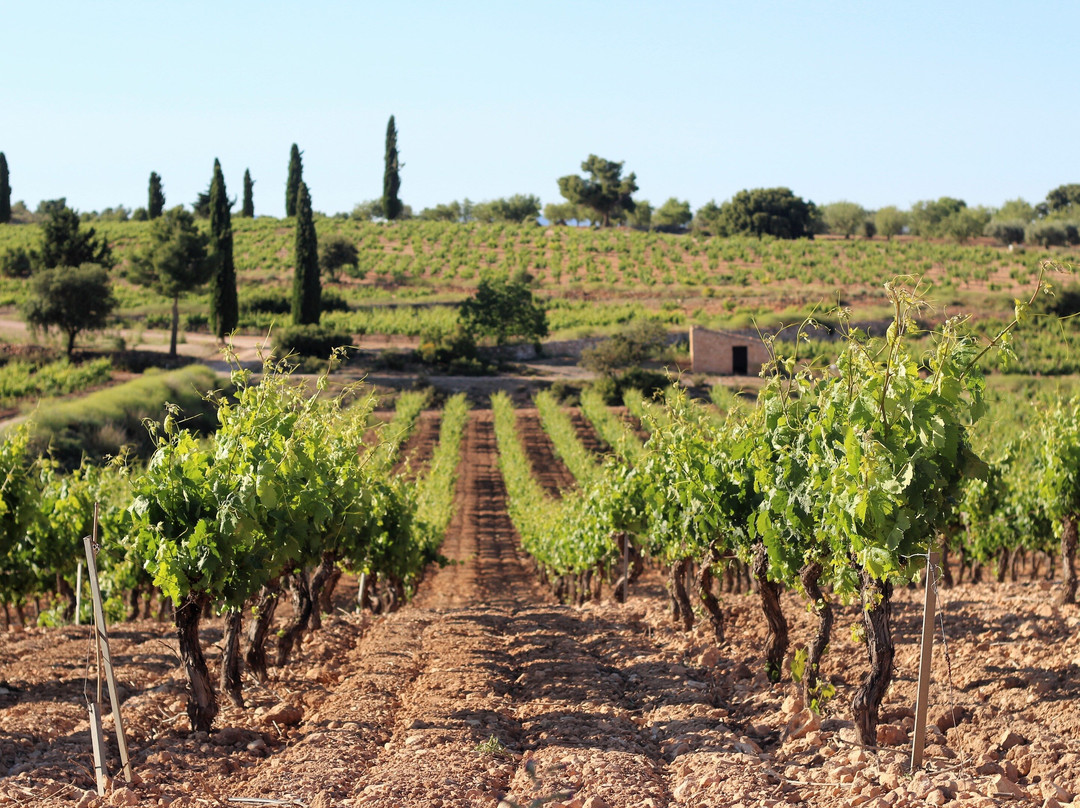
224, 312
5, 191
307, 288
292, 185
248, 211
391, 178
157, 197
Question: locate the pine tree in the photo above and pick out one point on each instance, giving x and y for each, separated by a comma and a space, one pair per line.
391, 178
5, 191
157, 196
224, 313
307, 288
292, 185
248, 211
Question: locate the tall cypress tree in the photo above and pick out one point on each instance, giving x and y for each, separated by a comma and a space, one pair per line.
5, 191
248, 211
307, 288
224, 311
292, 184
391, 178
157, 196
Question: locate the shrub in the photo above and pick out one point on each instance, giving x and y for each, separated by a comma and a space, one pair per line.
332, 301
1046, 234
637, 342
17, 263
1006, 232
265, 301
309, 340
196, 322
442, 346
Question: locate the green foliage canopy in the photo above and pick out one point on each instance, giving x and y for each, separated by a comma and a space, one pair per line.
63, 244
156, 197
224, 306
606, 191
392, 207
504, 308
70, 299
767, 212
307, 288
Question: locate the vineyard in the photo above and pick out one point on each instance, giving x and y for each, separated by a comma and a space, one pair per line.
667, 603
406, 275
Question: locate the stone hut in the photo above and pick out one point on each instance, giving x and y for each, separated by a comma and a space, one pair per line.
726, 353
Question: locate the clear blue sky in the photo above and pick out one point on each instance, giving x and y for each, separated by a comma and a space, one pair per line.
879, 103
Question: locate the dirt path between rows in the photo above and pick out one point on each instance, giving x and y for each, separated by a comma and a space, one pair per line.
483, 690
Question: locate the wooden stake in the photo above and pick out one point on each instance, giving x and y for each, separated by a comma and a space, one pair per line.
102, 638
98, 742
361, 592
926, 654
78, 592
626, 566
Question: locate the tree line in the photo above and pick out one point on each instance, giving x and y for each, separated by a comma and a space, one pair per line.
602, 196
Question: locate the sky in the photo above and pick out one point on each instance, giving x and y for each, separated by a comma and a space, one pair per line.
880, 103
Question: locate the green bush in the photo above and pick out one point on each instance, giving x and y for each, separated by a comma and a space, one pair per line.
1006, 232
309, 340
196, 322
332, 301
265, 301
17, 263
1046, 234
442, 346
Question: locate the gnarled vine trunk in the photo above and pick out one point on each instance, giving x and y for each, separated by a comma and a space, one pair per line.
876, 612
683, 612
1068, 558
326, 597
300, 589
777, 641
265, 606
133, 605
946, 569
230, 657
1002, 564
202, 705
810, 577
318, 580
708, 599
64, 589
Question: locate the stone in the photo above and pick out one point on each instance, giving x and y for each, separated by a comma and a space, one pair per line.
1000, 785
86, 799
891, 735
228, 736
936, 797
1050, 789
802, 723
1009, 739
124, 796
950, 717
282, 714
710, 657
595, 802
1011, 771
792, 705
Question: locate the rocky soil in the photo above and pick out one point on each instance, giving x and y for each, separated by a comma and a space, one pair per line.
485, 692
